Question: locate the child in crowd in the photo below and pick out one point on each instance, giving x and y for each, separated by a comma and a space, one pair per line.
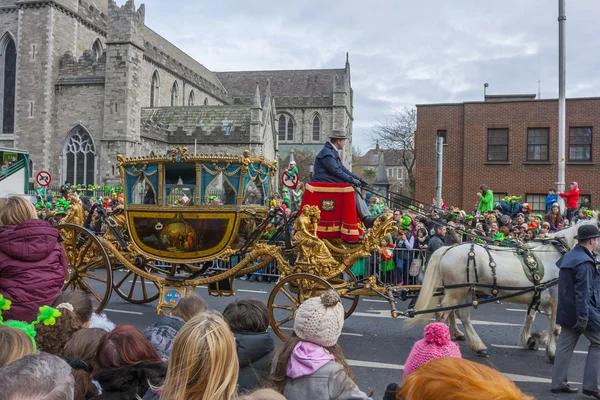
162, 333
387, 265
436, 343
126, 365
79, 354
204, 363
310, 364
249, 321
14, 344
84, 309
53, 338
33, 266
551, 198
451, 378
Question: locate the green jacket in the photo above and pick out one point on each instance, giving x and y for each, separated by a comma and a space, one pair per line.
486, 202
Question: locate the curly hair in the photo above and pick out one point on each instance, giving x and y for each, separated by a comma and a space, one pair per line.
53, 338
452, 378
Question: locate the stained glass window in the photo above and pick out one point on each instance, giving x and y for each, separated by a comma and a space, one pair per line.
316, 129
80, 154
10, 73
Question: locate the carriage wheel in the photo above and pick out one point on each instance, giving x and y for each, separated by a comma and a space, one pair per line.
350, 302
286, 297
134, 288
89, 265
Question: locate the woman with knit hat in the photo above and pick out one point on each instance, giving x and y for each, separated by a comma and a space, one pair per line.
436, 343
310, 364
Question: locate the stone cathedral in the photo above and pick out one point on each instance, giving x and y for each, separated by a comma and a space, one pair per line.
83, 80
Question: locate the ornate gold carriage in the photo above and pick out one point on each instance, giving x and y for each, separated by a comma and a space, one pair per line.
185, 216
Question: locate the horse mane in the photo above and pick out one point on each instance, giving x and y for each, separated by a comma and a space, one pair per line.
568, 234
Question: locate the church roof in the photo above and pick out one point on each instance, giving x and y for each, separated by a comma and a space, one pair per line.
289, 87
392, 158
230, 123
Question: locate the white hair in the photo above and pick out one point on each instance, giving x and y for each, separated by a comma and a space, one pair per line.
39, 376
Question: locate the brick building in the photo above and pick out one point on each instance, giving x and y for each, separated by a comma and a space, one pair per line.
83, 80
510, 143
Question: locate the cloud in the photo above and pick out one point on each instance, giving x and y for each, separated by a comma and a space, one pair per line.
401, 53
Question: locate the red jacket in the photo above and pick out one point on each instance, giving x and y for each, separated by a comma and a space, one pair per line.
572, 198
33, 267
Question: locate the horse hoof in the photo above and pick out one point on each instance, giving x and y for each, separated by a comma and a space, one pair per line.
460, 338
531, 344
550, 359
483, 353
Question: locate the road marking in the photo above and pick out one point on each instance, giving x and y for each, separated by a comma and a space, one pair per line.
508, 346
145, 282
516, 309
285, 328
512, 377
372, 364
376, 301
251, 291
123, 311
387, 314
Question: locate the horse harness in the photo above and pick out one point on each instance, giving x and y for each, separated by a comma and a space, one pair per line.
530, 262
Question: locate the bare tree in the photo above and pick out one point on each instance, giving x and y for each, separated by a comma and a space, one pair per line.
303, 160
397, 132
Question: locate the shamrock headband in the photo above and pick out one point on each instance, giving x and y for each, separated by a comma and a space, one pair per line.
213, 197
47, 316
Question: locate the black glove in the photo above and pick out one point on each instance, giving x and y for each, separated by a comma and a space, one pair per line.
355, 182
580, 326
364, 183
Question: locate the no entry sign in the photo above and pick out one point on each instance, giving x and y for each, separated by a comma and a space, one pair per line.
43, 178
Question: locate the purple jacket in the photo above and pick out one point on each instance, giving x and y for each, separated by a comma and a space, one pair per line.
33, 267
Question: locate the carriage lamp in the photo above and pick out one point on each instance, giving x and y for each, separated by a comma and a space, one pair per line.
311, 170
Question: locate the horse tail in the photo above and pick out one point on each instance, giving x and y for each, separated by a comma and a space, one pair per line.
431, 281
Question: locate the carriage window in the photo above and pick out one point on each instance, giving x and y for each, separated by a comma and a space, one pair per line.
180, 184
220, 192
254, 194
143, 193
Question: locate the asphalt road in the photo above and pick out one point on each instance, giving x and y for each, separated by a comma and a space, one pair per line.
377, 345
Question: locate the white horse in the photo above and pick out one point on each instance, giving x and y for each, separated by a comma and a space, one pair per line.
448, 266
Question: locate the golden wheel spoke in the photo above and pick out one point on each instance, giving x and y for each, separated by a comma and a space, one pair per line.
118, 285
144, 292
133, 285
93, 264
300, 291
94, 277
284, 321
83, 252
287, 308
88, 287
290, 296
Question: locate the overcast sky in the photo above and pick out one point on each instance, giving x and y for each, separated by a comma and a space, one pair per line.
402, 52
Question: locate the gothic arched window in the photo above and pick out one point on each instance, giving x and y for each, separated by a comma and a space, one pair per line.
316, 128
285, 132
191, 99
97, 48
175, 95
79, 157
8, 66
154, 89
206, 101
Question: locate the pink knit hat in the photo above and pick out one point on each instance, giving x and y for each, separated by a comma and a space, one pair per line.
436, 343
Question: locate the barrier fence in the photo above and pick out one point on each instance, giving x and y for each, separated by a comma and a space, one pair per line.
405, 267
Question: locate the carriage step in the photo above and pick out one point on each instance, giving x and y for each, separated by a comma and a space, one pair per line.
222, 288
169, 296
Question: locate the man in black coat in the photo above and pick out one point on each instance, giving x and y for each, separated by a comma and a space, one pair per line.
329, 168
579, 312
437, 240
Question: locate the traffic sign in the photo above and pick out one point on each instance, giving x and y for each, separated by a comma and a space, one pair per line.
43, 178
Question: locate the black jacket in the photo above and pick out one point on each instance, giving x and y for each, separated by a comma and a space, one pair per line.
578, 289
127, 382
329, 167
255, 353
435, 242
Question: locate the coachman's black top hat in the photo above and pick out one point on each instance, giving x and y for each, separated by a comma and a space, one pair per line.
587, 232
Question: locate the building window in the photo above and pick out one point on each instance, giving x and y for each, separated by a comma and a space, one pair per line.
443, 134
175, 95
31, 108
191, 98
498, 197
390, 172
154, 90
33, 52
400, 172
537, 203
580, 144
97, 49
206, 101
8, 57
497, 145
79, 157
316, 129
285, 132
537, 144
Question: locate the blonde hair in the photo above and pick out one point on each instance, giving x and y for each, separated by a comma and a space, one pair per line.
204, 363
452, 378
189, 306
14, 210
263, 394
14, 344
